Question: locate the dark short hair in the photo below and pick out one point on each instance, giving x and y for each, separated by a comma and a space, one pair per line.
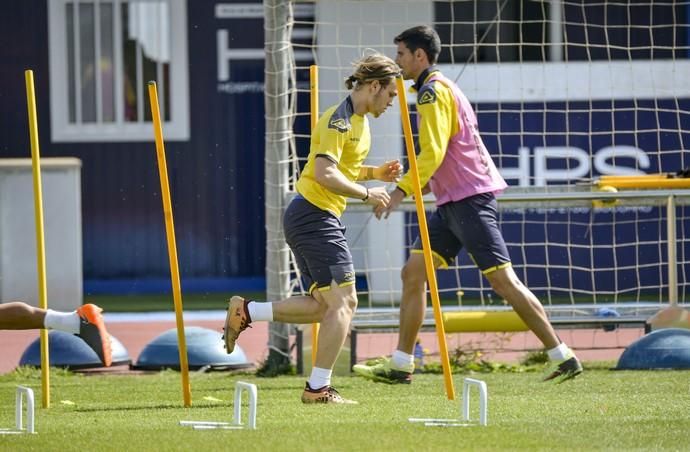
421, 37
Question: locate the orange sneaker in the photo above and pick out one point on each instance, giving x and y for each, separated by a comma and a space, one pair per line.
92, 331
236, 320
327, 394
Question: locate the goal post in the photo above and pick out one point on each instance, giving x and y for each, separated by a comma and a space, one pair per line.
566, 92
279, 67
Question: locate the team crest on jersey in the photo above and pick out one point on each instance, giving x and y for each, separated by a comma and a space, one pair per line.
427, 97
339, 124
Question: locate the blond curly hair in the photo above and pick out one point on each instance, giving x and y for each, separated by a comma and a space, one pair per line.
372, 66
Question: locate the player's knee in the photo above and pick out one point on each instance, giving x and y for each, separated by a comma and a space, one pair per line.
499, 289
351, 302
344, 301
348, 301
20, 308
504, 284
343, 310
413, 275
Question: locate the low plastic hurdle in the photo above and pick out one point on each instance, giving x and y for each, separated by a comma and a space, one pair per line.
22, 391
464, 420
236, 423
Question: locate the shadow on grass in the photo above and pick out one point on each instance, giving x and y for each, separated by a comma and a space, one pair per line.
162, 406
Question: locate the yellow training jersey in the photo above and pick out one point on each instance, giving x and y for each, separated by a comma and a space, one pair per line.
438, 122
343, 137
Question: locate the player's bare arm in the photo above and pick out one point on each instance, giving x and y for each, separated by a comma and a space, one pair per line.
389, 171
328, 175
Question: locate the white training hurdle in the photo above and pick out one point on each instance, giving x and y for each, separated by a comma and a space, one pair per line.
236, 423
22, 391
464, 420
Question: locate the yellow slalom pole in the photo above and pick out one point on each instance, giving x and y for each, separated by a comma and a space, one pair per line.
172, 247
627, 177
648, 182
314, 108
426, 244
40, 236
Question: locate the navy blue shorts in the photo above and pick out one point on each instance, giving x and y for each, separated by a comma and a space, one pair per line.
317, 239
470, 223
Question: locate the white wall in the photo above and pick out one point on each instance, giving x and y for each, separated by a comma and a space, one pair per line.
362, 25
61, 186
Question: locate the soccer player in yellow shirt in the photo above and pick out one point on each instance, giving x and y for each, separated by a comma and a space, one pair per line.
339, 145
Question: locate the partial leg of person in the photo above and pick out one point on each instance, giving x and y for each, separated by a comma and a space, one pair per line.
317, 240
241, 313
413, 303
506, 284
474, 221
332, 308
21, 316
86, 322
400, 366
340, 304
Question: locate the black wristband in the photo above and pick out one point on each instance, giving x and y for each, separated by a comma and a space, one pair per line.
367, 196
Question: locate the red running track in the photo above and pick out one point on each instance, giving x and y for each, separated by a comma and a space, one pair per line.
590, 345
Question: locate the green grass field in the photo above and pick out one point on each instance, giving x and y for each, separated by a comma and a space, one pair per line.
602, 409
157, 302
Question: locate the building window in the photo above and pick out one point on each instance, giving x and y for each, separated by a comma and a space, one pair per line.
102, 54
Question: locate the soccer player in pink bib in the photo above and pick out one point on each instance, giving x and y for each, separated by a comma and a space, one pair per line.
455, 165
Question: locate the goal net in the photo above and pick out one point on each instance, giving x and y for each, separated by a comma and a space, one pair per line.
565, 92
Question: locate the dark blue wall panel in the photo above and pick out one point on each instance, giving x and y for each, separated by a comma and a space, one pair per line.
216, 178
